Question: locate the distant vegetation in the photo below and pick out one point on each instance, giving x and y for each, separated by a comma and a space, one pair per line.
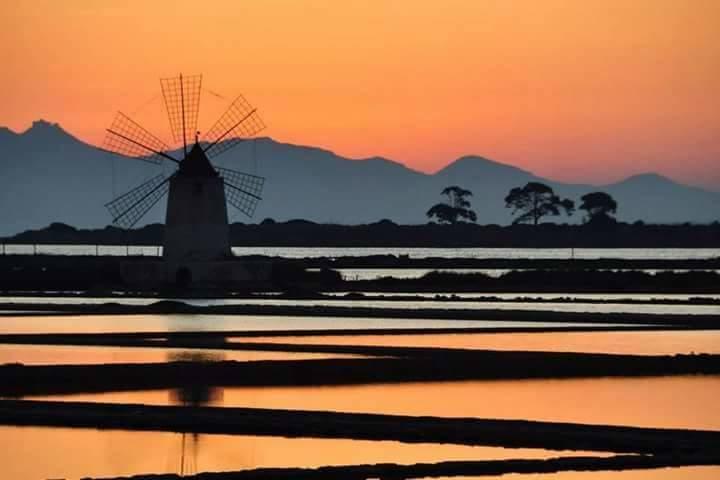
535, 201
600, 208
302, 233
530, 204
456, 209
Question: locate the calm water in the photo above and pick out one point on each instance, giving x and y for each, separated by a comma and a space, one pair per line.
76, 355
409, 273
194, 323
492, 305
618, 297
637, 343
37, 453
682, 473
673, 402
314, 252
467, 303
640, 343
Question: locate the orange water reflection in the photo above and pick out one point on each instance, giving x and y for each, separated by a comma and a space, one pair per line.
638, 343
682, 473
673, 402
48, 354
32, 452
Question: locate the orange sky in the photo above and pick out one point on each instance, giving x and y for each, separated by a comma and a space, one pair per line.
590, 90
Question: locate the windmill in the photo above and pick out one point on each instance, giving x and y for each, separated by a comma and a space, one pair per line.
196, 220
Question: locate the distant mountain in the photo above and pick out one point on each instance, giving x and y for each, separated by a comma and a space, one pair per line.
47, 175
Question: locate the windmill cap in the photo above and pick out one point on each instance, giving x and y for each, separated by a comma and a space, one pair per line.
197, 164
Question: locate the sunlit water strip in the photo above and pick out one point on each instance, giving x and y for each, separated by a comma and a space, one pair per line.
219, 323
315, 252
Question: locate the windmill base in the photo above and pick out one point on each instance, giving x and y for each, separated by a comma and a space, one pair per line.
196, 274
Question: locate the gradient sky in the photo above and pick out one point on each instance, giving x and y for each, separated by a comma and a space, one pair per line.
576, 90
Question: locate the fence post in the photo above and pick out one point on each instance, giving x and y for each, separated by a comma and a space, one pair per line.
34, 248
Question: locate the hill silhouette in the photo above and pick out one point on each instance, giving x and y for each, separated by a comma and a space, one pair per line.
47, 175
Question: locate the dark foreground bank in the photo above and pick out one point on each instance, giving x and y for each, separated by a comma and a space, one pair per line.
487, 468
699, 321
302, 233
389, 365
361, 426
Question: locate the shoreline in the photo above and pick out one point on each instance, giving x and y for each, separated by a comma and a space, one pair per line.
379, 365
467, 468
698, 321
361, 426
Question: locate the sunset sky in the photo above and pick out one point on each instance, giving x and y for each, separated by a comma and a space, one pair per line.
575, 90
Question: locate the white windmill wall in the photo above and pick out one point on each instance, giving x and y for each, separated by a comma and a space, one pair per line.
196, 224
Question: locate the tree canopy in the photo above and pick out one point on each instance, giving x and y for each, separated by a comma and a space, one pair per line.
535, 201
456, 209
599, 206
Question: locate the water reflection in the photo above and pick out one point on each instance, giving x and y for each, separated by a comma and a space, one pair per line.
165, 323
86, 355
668, 402
80, 453
680, 473
631, 343
192, 394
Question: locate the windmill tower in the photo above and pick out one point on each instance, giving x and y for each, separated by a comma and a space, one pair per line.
197, 236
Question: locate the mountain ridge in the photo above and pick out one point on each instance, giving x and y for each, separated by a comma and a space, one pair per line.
52, 176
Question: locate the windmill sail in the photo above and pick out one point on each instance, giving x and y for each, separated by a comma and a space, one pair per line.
182, 102
239, 122
130, 207
126, 137
242, 190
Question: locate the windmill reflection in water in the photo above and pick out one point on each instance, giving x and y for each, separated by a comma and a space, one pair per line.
192, 394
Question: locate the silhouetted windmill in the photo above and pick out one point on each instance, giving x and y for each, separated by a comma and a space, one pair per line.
196, 223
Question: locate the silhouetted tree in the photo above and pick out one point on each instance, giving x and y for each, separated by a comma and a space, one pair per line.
457, 207
536, 200
599, 207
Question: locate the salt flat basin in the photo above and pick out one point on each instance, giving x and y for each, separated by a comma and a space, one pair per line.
411, 252
671, 402
577, 307
82, 355
126, 300
211, 323
37, 452
631, 343
579, 296
353, 274
678, 473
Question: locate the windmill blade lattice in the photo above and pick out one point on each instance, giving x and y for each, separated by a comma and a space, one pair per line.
182, 102
126, 137
130, 207
242, 190
239, 122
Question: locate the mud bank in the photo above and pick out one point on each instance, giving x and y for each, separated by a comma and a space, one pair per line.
452, 469
700, 321
407, 365
317, 424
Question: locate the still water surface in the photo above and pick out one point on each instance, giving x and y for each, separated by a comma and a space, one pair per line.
673, 402
353, 274
616, 297
81, 355
631, 343
39, 453
195, 323
467, 303
681, 473
492, 305
314, 252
